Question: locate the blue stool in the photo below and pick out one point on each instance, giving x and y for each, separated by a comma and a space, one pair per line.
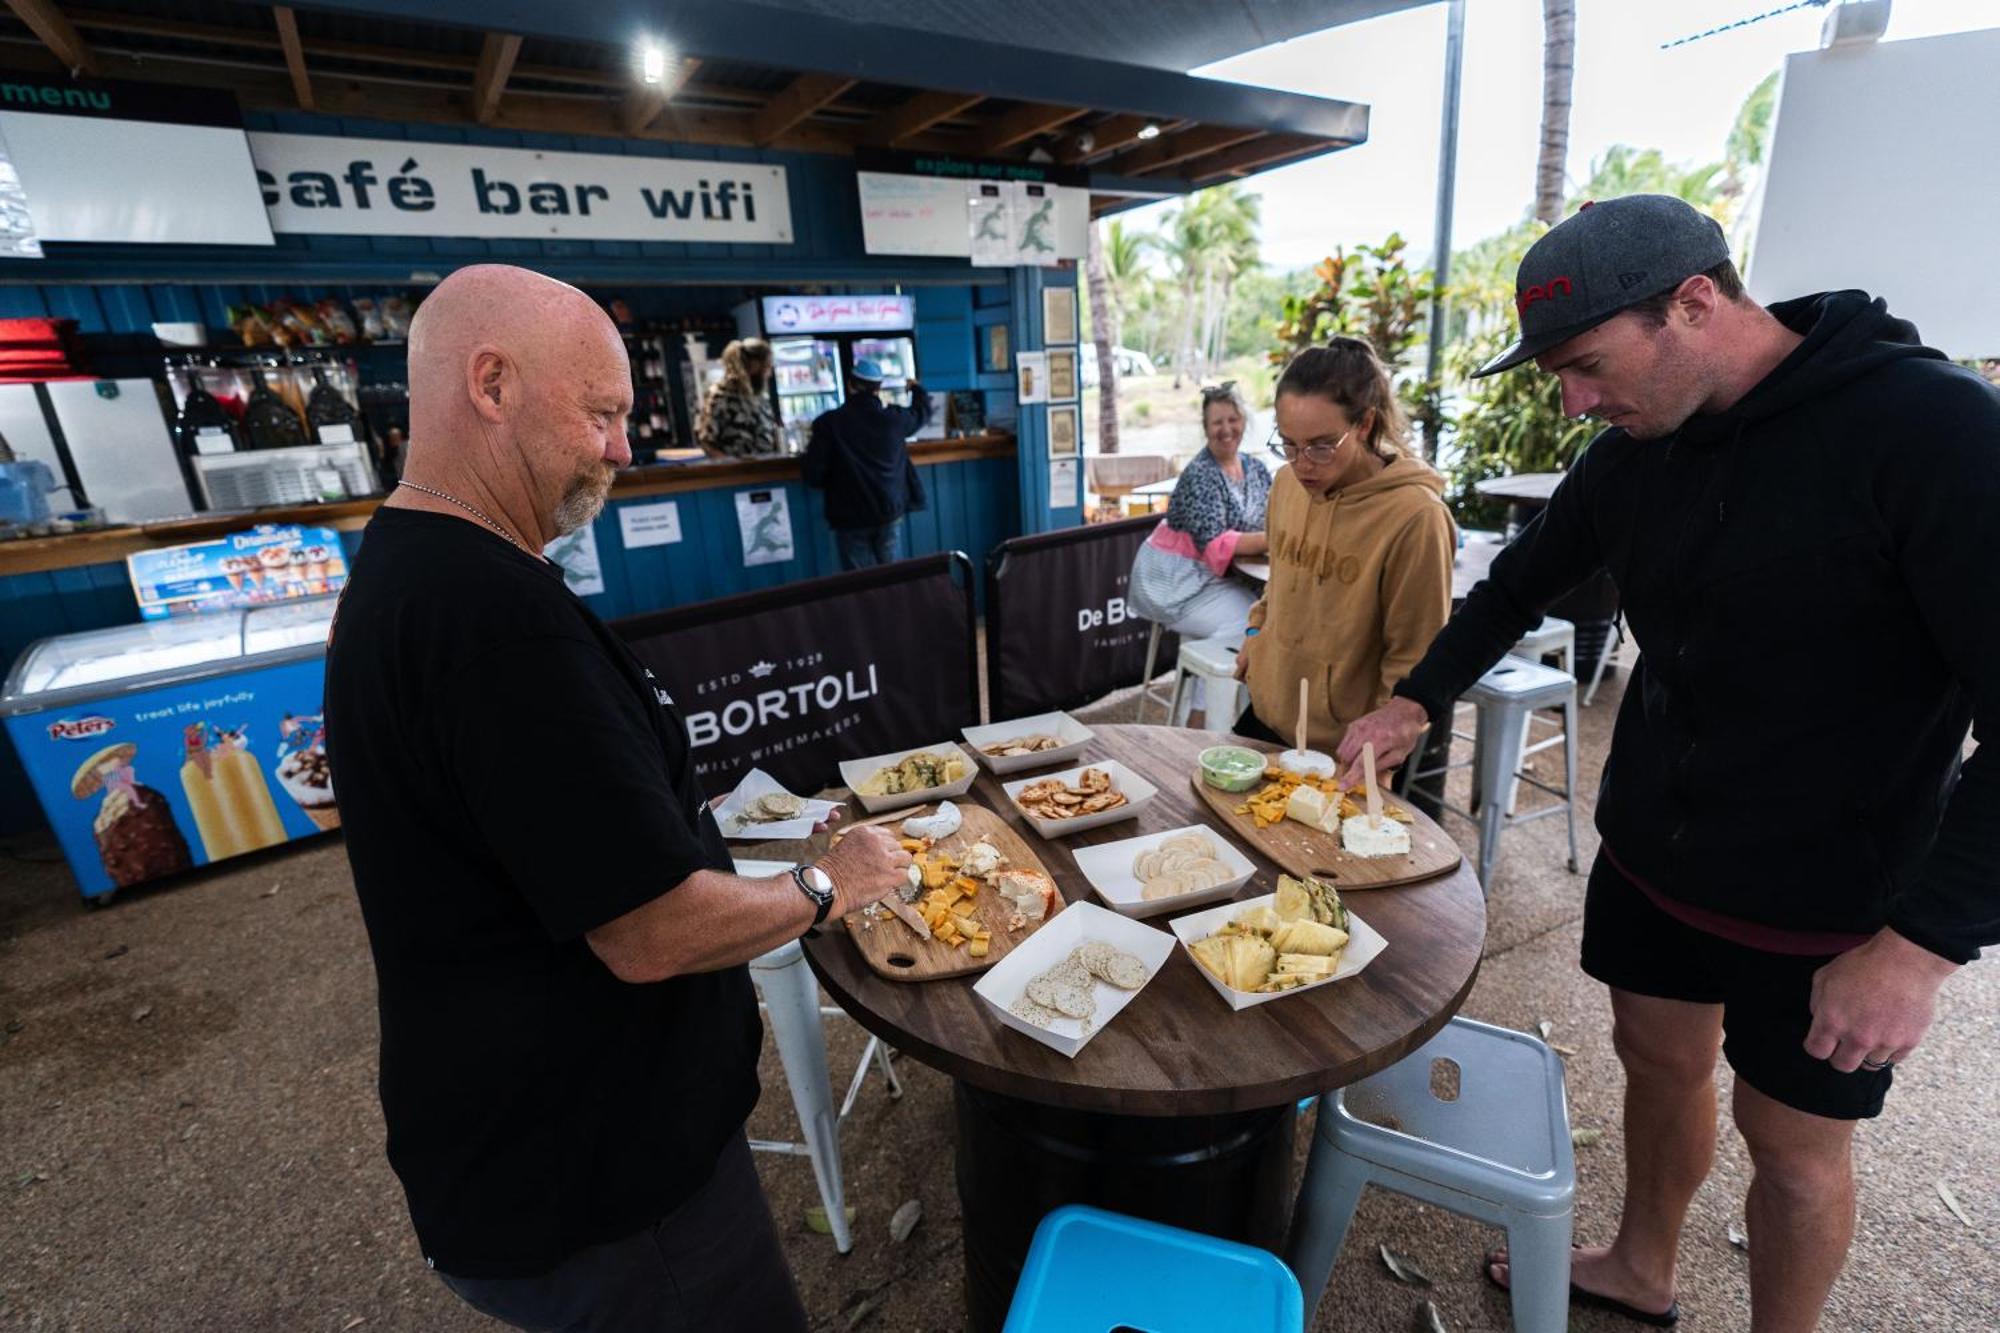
1090, 1271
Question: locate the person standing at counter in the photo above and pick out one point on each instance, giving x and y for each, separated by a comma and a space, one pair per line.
860, 457
1181, 577
1361, 548
737, 419
569, 1035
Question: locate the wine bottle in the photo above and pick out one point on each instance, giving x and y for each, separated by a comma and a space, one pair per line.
268, 422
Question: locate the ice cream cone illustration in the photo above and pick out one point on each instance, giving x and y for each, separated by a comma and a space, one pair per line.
232, 805
276, 562
233, 569
135, 830
316, 569
303, 771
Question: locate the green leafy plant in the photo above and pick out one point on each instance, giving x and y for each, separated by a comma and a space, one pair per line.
1372, 294
1511, 422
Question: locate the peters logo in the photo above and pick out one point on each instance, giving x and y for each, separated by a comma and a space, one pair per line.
1541, 291
79, 728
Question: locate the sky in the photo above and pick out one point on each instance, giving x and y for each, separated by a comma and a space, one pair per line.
1627, 90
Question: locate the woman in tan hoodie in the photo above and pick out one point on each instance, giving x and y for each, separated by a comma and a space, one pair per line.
1361, 549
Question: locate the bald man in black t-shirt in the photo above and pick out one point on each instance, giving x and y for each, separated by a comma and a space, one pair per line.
569, 1034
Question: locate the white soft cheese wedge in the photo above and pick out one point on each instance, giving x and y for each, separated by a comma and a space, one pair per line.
1391, 839
1314, 808
1307, 763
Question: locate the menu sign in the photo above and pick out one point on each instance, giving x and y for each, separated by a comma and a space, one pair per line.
266, 564
794, 679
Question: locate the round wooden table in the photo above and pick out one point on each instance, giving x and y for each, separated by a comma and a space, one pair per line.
1181, 1109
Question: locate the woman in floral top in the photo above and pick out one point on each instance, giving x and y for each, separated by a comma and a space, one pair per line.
737, 420
1181, 577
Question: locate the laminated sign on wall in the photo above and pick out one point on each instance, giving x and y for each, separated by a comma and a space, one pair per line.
765, 522
396, 187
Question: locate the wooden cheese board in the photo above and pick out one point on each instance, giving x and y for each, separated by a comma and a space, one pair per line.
1303, 850
894, 951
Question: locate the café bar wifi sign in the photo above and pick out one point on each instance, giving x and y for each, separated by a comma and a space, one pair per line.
395, 187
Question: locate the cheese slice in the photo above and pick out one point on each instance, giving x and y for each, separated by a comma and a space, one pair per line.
1391, 839
1311, 807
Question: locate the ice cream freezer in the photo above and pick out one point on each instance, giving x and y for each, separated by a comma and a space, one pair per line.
170, 744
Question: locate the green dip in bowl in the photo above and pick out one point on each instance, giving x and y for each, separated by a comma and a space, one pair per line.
1231, 767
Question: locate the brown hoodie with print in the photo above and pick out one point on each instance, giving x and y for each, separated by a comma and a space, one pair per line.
1360, 585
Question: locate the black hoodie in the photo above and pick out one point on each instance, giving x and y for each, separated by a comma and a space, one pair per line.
1813, 579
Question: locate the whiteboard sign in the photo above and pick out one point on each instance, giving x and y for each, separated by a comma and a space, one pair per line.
90, 179
931, 215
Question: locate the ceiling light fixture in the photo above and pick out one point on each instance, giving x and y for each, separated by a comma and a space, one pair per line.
1149, 131
652, 62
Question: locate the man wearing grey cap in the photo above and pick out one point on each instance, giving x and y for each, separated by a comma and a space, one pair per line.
1797, 504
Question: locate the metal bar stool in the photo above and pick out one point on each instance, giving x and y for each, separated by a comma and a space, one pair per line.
1504, 698
1553, 635
1475, 1121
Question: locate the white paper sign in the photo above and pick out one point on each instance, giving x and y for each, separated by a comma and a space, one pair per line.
989, 223
1033, 219
650, 524
935, 215
1031, 377
1062, 483
576, 555
395, 187
134, 181
764, 520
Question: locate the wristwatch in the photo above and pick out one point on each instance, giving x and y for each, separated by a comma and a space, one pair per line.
815, 884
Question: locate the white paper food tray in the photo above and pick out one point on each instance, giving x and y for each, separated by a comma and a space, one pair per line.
854, 772
1008, 979
1073, 734
1362, 946
1137, 791
1108, 867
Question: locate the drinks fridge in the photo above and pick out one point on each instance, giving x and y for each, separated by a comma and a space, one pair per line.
816, 341
170, 744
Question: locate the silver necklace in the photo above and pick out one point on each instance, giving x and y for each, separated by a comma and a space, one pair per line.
453, 499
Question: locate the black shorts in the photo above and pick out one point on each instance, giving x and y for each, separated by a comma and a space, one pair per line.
1766, 998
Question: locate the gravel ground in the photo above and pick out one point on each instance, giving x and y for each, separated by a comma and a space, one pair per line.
192, 1138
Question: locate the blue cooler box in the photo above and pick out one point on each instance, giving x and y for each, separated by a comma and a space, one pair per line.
170, 744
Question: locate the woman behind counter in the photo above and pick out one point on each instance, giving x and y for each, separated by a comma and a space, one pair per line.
1181, 576
737, 420
1361, 549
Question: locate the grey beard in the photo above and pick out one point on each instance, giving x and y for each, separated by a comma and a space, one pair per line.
580, 504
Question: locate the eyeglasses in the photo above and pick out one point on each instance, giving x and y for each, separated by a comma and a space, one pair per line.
1317, 451
1222, 390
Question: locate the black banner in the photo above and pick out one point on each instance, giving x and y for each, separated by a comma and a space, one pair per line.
1058, 633
795, 679
117, 99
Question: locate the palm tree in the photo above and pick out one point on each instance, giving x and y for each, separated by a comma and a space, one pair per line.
1558, 72
1114, 266
1213, 237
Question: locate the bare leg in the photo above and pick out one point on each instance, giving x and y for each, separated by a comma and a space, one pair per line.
1668, 1048
1800, 1211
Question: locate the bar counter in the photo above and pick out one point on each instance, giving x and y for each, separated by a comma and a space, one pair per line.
100, 545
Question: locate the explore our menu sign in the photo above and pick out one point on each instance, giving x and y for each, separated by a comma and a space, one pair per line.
397, 187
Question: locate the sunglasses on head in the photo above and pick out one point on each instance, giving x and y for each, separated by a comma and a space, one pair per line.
1222, 390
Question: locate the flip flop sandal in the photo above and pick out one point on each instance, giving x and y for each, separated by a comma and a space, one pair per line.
1578, 1296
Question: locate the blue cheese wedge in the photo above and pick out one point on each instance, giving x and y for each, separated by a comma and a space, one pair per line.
1362, 839
1313, 808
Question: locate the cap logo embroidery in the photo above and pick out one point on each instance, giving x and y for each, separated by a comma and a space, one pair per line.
1541, 291
1627, 281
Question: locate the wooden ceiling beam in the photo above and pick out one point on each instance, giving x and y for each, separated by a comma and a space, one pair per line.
799, 99
914, 115
489, 80
643, 105
295, 55
1021, 124
1271, 149
1170, 150
57, 34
